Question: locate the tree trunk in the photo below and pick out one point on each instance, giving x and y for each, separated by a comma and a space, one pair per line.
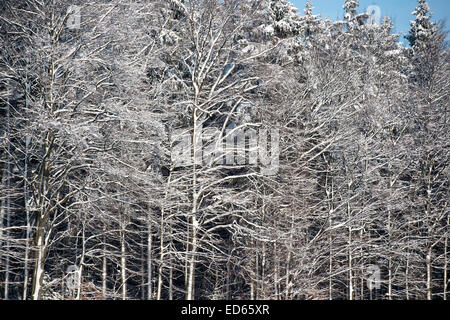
256, 287
276, 272
161, 256
170, 282
41, 239
27, 213
389, 258
193, 223
38, 276
123, 263
80, 269
446, 260
7, 203
149, 261
429, 275
350, 257
192, 256
104, 268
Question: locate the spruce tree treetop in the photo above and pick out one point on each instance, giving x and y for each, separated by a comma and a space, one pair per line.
422, 29
309, 21
285, 17
350, 9
308, 8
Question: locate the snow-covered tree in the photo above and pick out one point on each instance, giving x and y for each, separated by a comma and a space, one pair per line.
422, 28
309, 21
285, 18
350, 7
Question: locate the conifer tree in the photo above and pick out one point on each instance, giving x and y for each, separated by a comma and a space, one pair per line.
422, 28
350, 9
286, 20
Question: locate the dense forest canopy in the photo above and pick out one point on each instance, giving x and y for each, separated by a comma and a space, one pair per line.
206, 149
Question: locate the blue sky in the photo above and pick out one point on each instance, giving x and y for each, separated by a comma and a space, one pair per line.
398, 10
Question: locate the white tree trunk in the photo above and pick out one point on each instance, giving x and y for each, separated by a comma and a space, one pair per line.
80, 269
28, 230
446, 261
193, 223
350, 257
8, 202
389, 258
161, 257
149, 261
170, 282
104, 269
123, 264
192, 256
429, 275
38, 277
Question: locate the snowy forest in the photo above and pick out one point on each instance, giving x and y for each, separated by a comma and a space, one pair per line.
96, 204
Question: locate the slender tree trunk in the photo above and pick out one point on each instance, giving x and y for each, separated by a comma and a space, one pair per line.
276, 272
446, 260
361, 296
149, 261
161, 256
350, 264
429, 275
162, 237
330, 265
253, 285
429, 233
80, 269
389, 258
193, 223
142, 269
2, 215
27, 213
170, 282
256, 271
407, 265
329, 190
7, 233
407, 276
192, 256
8, 200
252, 290
330, 244
228, 289
170, 259
350, 257
288, 263
263, 273
104, 268
123, 262
26, 202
